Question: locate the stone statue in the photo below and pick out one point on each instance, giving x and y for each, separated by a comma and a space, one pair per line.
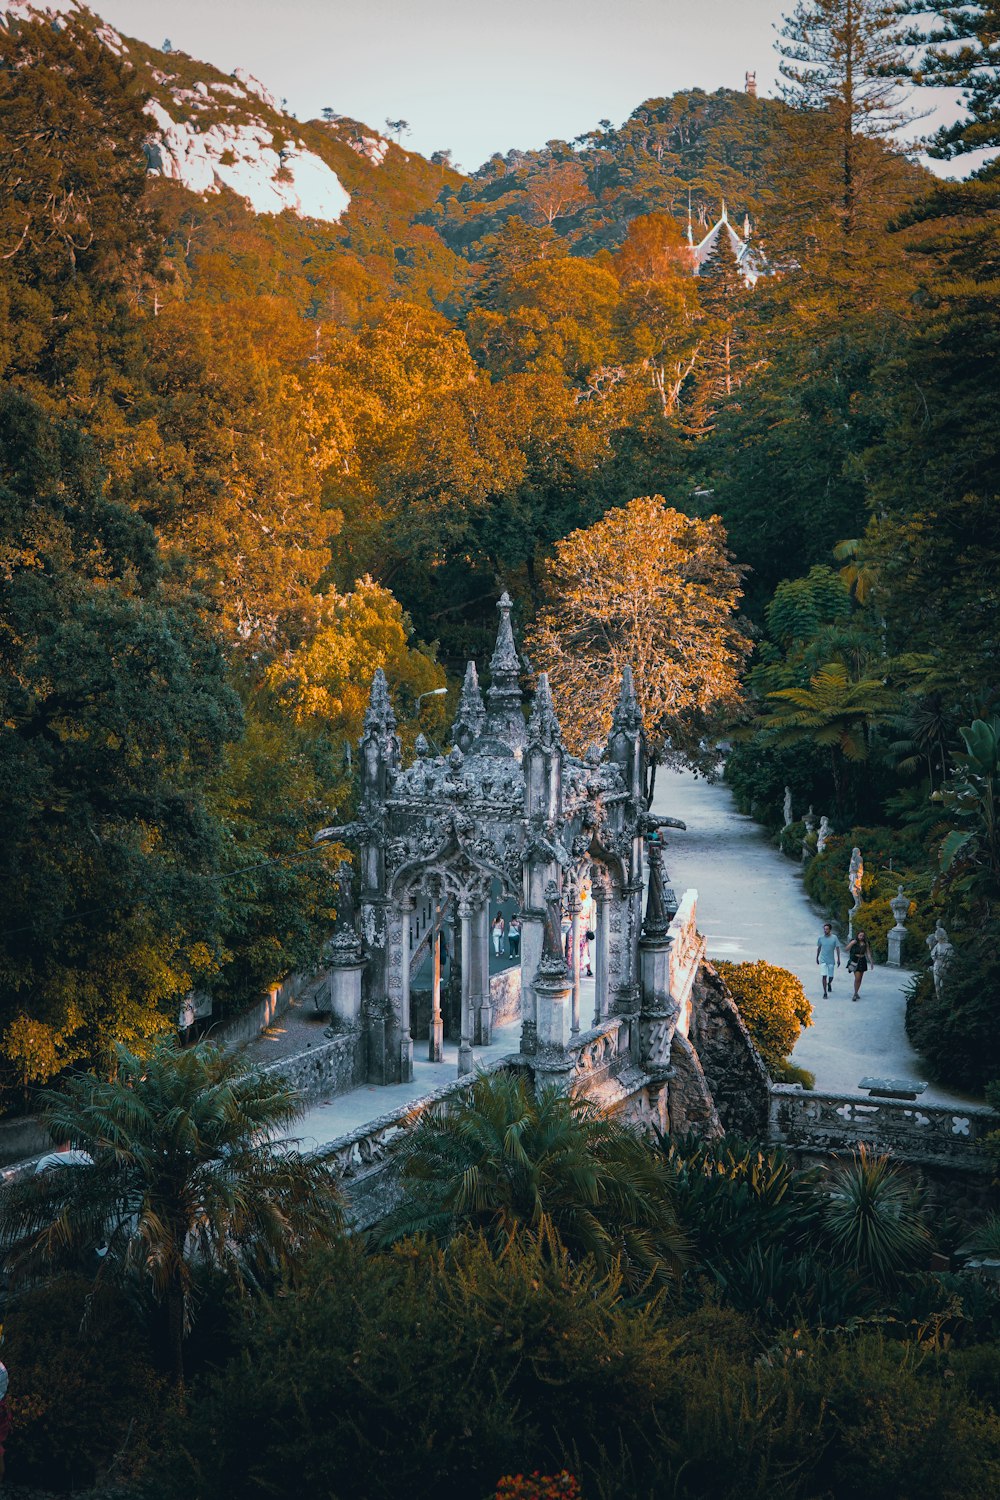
810, 820
824, 833
900, 907
855, 876
941, 955
788, 806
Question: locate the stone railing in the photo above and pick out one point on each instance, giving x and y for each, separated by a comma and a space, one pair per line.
505, 995
687, 949
368, 1158
596, 1053
928, 1134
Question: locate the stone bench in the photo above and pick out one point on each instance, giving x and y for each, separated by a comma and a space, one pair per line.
892, 1088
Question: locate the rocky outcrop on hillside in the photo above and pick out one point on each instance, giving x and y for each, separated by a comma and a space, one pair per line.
210, 132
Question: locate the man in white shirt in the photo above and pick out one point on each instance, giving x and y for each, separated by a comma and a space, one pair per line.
827, 954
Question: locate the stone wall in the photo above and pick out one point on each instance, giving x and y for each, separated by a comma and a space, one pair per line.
331, 1068
369, 1158
22, 1138
736, 1075
505, 996
233, 1031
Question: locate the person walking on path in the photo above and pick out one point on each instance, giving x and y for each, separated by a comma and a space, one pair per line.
859, 960
514, 937
498, 935
827, 951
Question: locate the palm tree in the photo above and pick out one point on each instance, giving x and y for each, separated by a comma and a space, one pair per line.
506, 1156
185, 1169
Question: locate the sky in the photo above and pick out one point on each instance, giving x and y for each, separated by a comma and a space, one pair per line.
476, 76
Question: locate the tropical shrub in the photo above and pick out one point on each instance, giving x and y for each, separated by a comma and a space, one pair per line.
492, 1360
83, 1392
502, 1363
773, 1004
187, 1172
956, 1031
507, 1156
873, 1220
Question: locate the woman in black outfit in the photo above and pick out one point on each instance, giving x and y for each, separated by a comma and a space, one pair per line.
859, 960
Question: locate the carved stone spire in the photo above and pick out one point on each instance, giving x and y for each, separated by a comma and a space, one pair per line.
379, 744
627, 744
379, 714
504, 719
627, 715
543, 726
471, 712
657, 922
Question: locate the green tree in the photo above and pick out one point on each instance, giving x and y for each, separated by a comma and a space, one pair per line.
956, 48
836, 712
115, 714
845, 58
77, 241
504, 1157
873, 1219
187, 1169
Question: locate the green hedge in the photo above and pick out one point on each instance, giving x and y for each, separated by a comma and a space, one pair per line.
429, 1374
957, 1032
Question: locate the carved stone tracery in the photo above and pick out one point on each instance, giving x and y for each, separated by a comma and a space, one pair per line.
506, 811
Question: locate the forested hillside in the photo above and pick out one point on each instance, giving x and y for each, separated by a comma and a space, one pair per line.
248, 456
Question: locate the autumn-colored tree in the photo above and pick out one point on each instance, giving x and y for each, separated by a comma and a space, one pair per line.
328, 679
557, 190
657, 315
657, 590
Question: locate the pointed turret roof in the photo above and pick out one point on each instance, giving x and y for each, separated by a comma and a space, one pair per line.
627, 715
543, 726
504, 719
471, 711
750, 264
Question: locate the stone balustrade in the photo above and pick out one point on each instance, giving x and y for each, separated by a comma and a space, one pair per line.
596, 1052
926, 1134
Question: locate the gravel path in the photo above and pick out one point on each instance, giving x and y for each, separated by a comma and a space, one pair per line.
752, 904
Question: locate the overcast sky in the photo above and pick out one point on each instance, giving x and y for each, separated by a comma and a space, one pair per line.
474, 75
480, 76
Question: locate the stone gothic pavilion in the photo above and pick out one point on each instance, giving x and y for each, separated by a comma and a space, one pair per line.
508, 807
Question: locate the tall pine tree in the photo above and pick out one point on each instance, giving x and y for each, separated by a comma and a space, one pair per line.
845, 58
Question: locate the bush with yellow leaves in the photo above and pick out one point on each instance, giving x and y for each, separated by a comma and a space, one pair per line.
773, 1004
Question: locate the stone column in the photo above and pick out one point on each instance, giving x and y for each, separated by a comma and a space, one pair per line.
435, 1030
900, 907
345, 988
573, 903
406, 1035
465, 1053
481, 1004
659, 1010
602, 898
532, 930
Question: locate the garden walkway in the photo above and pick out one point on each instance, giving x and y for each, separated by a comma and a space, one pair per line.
752, 904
